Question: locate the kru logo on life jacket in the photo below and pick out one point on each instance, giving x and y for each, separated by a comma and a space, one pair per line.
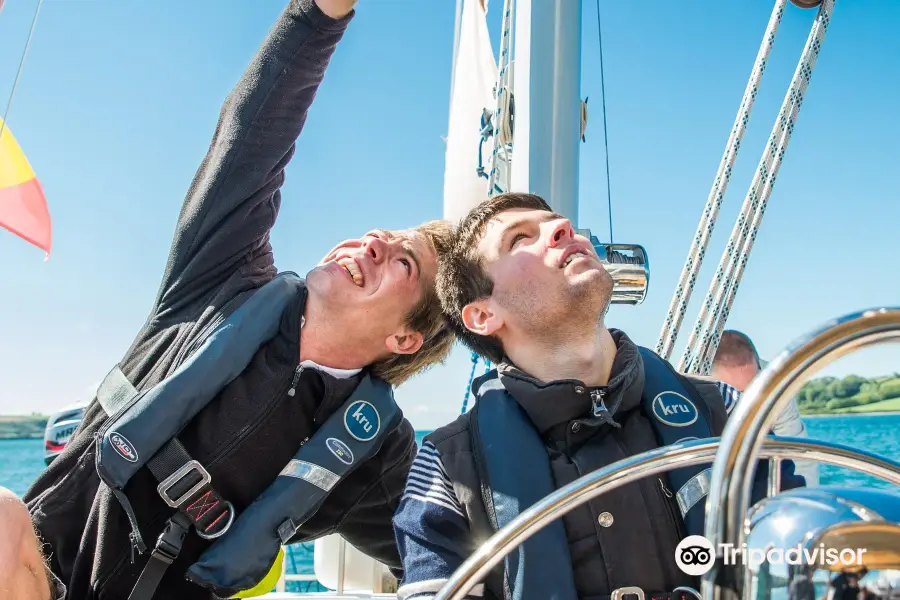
674, 409
340, 449
362, 421
123, 447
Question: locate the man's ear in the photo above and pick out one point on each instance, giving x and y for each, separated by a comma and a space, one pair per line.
479, 317
406, 341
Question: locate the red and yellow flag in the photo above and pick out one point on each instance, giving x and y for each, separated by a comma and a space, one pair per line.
23, 207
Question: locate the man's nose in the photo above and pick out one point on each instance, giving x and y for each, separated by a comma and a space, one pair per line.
377, 249
561, 232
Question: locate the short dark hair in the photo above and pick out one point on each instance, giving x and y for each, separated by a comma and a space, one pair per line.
736, 350
462, 278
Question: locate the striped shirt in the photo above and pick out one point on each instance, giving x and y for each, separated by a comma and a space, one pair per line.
729, 394
431, 529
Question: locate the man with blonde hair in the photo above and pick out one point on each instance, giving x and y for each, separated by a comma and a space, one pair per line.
254, 409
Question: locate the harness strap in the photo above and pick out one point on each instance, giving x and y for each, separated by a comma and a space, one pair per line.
167, 549
186, 485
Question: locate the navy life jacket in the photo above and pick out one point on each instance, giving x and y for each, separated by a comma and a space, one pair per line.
514, 469
142, 428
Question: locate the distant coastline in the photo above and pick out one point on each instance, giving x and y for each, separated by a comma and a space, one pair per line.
822, 397
849, 414
22, 427
851, 395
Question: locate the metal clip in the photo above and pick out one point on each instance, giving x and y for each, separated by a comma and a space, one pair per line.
170, 481
620, 593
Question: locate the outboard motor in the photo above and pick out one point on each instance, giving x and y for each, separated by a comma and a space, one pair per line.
629, 267
60, 427
801, 541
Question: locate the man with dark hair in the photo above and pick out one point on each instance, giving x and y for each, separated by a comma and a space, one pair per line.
254, 409
569, 396
736, 363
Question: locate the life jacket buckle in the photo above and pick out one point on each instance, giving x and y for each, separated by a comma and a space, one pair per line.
168, 546
169, 482
620, 593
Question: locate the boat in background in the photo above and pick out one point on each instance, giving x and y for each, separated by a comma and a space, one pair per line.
60, 427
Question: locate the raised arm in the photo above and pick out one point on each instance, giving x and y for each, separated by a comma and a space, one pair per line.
233, 201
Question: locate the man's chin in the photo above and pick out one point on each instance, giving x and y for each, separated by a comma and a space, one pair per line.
595, 284
593, 274
319, 279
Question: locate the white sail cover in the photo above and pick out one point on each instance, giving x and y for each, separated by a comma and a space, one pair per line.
474, 79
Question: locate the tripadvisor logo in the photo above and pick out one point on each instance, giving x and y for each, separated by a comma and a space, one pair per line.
695, 555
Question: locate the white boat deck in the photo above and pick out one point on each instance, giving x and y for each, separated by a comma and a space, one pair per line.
344, 572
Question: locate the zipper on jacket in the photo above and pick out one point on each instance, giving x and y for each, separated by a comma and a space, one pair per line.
597, 405
295, 380
674, 516
665, 489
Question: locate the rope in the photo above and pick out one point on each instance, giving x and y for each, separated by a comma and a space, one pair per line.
691, 269
605, 138
502, 131
487, 367
15, 84
465, 401
731, 267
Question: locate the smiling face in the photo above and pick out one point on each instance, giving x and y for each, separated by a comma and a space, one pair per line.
545, 277
375, 282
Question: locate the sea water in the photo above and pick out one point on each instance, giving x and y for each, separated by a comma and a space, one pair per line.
22, 460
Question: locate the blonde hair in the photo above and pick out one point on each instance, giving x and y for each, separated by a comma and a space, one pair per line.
426, 318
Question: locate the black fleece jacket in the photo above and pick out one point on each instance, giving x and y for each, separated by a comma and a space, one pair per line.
249, 432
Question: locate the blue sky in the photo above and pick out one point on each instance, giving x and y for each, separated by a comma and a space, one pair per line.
118, 101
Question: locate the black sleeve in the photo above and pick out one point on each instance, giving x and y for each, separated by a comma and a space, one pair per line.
235, 196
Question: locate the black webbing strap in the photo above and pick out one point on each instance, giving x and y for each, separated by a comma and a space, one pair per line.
167, 548
184, 485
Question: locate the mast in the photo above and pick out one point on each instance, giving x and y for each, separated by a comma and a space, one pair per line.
547, 92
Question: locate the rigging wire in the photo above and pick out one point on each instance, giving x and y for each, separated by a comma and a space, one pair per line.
748, 224
12, 92
697, 252
605, 137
